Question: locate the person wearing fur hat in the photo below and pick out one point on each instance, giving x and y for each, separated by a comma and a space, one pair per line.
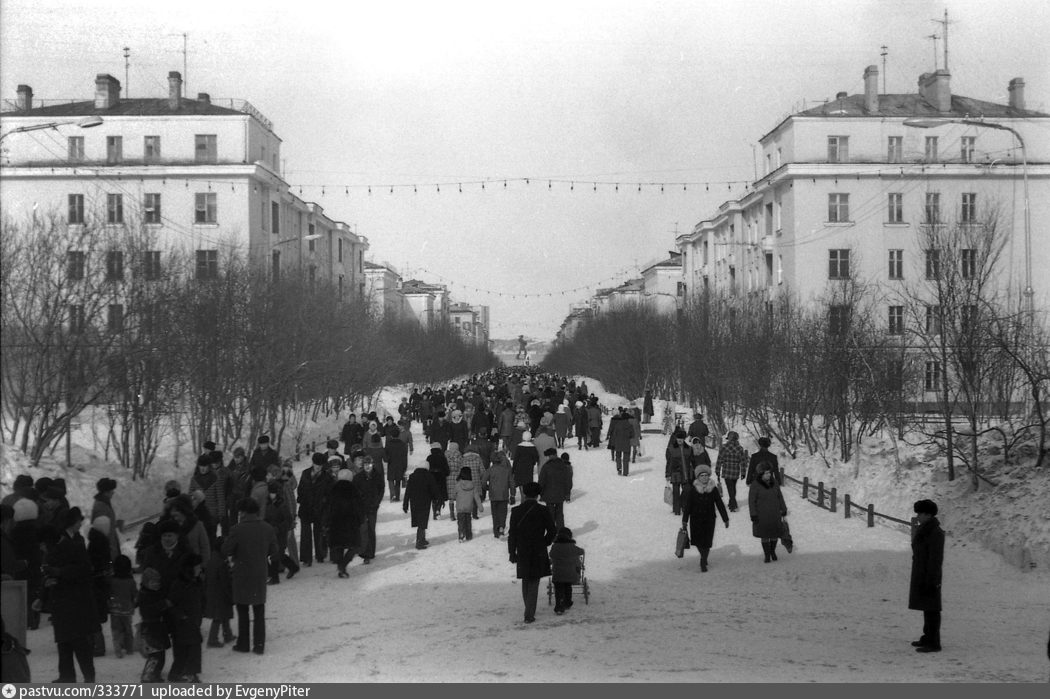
439, 470
566, 567
526, 459
555, 483
191, 530
581, 426
344, 522
212, 486
370, 487
924, 590
264, 455
67, 577
315, 485
701, 499
23, 487
103, 507
421, 495
766, 506
458, 430
249, 546
439, 430
531, 531
619, 436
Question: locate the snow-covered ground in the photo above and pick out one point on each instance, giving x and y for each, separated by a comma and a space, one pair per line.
835, 610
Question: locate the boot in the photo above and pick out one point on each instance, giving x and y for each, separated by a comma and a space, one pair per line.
773, 549
765, 548
151, 670
213, 635
703, 559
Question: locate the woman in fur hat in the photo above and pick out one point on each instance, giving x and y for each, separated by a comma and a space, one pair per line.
700, 500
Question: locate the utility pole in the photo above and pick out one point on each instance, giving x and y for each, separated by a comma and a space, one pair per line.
127, 53
885, 51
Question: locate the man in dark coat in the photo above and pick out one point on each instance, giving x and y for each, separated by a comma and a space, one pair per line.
531, 531
678, 467
250, 545
555, 485
927, 557
371, 486
103, 507
698, 428
619, 435
67, 577
421, 494
344, 521
264, 456
353, 432
312, 495
396, 455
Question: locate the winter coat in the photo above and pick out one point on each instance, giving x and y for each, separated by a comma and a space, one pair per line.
731, 461
565, 561
214, 488
647, 404
483, 448
762, 457
439, 433
927, 558
178, 602
636, 434
396, 459
98, 554
103, 507
420, 495
264, 459
680, 463
352, 433
506, 422
218, 590
374, 447
526, 457
483, 422
543, 441
620, 433
250, 543
279, 517
312, 494
555, 481
467, 496
459, 432
439, 470
474, 462
561, 424
530, 532
73, 614
344, 517
766, 506
455, 462
580, 423
260, 493
499, 479
698, 428
372, 487
700, 501
594, 417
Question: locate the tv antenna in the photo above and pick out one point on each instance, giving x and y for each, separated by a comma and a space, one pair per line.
934, 37
944, 26
885, 52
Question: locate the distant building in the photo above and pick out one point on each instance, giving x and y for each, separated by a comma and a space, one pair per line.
383, 289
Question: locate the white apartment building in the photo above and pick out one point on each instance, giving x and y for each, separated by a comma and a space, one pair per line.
201, 175
848, 185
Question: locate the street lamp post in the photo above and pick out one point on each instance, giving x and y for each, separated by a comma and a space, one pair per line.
300, 239
85, 123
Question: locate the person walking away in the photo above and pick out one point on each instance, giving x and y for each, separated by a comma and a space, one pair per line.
531, 531
251, 542
636, 431
467, 497
927, 559
698, 428
123, 597
472, 460
499, 480
455, 462
439, 470
421, 495
767, 509
344, 522
730, 466
566, 567
526, 458
218, 597
595, 421
396, 454
580, 427
700, 500
67, 580
678, 468
760, 457
619, 436
371, 485
555, 485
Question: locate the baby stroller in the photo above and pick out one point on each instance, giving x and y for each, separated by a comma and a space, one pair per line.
582, 585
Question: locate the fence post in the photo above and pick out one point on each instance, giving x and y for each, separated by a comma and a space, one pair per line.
820, 494
871, 515
805, 487
834, 499
845, 504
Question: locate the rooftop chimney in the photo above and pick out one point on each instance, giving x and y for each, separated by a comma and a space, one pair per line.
204, 98
871, 89
174, 89
841, 95
935, 89
1016, 90
25, 97
107, 91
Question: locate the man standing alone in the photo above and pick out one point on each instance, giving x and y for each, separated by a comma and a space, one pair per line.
927, 557
531, 532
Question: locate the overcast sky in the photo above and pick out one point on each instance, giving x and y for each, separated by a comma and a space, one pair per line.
591, 93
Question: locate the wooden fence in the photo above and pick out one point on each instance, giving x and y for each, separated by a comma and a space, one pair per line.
828, 498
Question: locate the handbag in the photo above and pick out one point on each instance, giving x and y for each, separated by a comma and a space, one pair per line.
668, 495
681, 543
785, 535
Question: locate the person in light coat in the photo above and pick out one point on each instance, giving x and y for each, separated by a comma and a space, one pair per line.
499, 479
468, 497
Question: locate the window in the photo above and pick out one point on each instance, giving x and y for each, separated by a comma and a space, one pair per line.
969, 263
76, 264
204, 208
838, 319
933, 320
966, 148
895, 323
114, 209
932, 380
151, 149
77, 318
838, 208
895, 208
895, 149
76, 209
151, 209
114, 266
76, 148
275, 217
205, 149
114, 149
931, 149
968, 213
207, 265
968, 319
933, 264
275, 265
838, 264
838, 149
151, 265
933, 207
896, 264
115, 318
340, 248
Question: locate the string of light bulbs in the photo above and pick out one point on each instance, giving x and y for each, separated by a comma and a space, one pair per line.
510, 295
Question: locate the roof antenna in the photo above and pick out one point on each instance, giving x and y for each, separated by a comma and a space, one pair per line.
944, 24
885, 51
127, 53
935, 38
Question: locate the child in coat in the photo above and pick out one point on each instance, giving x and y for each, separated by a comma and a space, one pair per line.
123, 596
566, 566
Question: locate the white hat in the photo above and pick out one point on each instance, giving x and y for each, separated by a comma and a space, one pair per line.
25, 510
